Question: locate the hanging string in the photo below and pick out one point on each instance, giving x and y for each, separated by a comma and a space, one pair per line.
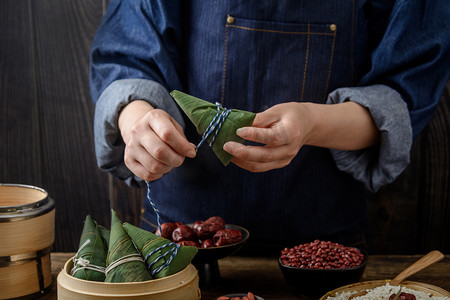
172, 251
215, 124
149, 198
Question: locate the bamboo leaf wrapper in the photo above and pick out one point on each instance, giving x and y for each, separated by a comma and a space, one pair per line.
201, 112
91, 256
147, 242
122, 252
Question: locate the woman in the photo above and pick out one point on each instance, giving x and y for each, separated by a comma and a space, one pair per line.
340, 88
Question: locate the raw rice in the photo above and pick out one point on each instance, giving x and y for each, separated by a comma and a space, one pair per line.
384, 292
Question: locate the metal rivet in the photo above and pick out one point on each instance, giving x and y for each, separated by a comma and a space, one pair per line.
333, 27
230, 19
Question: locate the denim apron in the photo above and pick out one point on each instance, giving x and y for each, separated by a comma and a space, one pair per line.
251, 56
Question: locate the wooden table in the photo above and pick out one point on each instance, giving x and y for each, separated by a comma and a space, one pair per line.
262, 276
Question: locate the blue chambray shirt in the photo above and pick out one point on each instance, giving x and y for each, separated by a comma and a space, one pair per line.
392, 57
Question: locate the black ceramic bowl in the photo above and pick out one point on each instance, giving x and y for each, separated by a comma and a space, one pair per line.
316, 282
242, 295
207, 255
206, 259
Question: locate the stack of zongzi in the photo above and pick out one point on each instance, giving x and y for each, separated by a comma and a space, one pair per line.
126, 253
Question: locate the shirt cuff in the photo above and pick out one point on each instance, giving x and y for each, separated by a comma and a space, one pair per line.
109, 146
383, 163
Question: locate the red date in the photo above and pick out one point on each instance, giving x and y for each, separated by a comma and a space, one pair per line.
217, 220
249, 296
196, 224
206, 230
166, 230
189, 243
207, 243
403, 296
203, 234
183, 233
226, 237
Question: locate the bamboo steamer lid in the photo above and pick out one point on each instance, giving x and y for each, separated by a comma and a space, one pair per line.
180, 286
27, 225
361, 286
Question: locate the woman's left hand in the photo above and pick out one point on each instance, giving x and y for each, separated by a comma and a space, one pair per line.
281, 129
284, 128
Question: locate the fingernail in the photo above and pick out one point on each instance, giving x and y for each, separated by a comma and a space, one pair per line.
241, 131
191, 153
228, 147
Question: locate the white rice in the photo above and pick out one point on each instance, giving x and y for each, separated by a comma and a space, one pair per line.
384, 292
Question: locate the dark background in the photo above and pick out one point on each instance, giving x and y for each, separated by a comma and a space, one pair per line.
46, 136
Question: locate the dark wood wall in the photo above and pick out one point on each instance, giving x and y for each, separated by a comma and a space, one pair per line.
46, 135
46, 115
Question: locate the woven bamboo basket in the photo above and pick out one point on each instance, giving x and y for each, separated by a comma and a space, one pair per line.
180, 286
361, 286
27, 226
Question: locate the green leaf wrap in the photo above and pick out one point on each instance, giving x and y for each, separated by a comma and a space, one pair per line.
201, 112
120, 245
94, 251
146, 242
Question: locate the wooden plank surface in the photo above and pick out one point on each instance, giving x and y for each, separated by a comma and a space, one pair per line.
262, 276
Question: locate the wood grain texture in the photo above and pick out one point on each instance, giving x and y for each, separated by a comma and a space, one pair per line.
47, 113
412, 214
262, 276
19, 138
434, 182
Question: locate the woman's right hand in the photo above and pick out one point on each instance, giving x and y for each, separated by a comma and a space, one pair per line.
154, 141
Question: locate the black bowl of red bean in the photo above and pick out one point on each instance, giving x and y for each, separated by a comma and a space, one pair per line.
312, 269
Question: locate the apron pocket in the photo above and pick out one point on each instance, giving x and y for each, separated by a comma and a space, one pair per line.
270, 62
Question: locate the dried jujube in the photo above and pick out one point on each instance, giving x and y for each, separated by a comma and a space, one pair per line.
206, 230
403, 296
202, 234
166, 230
249, 296
226, 237
183, 233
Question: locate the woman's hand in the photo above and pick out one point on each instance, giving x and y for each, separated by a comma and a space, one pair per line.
284, 128
155, 142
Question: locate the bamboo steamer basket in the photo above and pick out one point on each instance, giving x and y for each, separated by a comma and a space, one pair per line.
27, 226
180, 286
361, 286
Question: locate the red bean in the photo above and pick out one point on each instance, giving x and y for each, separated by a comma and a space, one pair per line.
321, 255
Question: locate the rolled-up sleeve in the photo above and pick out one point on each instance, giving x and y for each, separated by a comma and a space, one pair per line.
410, 66
109, 146
382, 163
134, 56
